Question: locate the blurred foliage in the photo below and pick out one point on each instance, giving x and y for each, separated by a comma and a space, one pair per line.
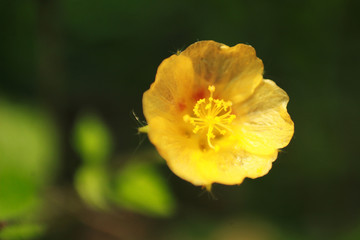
92, 183
22, 231
28, 157
92, 139
140, 187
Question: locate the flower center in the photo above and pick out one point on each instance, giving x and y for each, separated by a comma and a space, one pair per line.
213, 116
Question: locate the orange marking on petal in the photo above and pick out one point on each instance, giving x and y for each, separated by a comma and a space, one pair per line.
181, 106
199, 94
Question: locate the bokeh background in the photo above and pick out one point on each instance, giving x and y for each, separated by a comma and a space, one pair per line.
72, 165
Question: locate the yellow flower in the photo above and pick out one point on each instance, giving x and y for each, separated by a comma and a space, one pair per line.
213, 117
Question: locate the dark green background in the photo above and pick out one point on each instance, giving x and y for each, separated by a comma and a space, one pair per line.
70, 56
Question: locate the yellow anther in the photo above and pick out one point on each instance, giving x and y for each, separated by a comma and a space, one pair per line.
186, 118
211, 88
213, 116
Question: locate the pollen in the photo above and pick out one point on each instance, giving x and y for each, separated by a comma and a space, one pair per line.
212, 117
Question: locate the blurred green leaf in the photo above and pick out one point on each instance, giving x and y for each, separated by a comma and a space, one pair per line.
28, 141
28, 157
92, 183
92, 139
141, 188
22, 231
19, 194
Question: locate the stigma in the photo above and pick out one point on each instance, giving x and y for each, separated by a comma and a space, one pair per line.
212, 117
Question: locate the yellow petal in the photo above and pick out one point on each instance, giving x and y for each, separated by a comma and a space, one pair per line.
235, 71
235, 165
263, 124
188, 159
176, 144
169, 94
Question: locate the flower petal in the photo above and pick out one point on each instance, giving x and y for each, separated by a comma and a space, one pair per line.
170, 91
187, 158
236, 165
264, 125
235, 71
176, 144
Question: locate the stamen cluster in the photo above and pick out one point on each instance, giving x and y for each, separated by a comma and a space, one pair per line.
213, 116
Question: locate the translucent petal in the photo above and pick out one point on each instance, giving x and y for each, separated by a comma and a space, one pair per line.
170, 91
263, 124
183, 79
235, 71
187, 157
